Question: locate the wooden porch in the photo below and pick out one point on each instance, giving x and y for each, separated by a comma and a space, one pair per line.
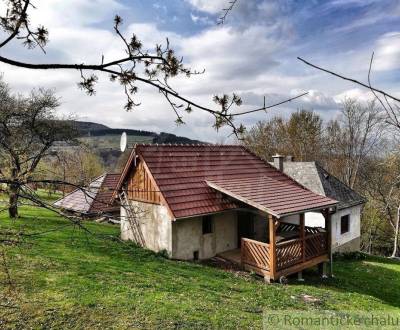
291, 249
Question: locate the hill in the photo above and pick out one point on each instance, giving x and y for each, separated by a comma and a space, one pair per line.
89, 129
69, 279
105, 140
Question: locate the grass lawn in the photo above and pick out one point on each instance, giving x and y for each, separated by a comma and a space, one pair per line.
68, 279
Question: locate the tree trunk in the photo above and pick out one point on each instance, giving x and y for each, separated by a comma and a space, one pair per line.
13, 192
396, 234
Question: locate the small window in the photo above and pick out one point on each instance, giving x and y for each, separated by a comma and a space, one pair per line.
207, 224
345, 224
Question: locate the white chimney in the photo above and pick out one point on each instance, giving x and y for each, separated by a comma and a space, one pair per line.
278, 162
289, 158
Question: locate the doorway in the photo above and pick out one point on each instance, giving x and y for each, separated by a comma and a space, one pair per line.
245, 226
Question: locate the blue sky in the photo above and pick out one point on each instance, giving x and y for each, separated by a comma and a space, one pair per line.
253, 54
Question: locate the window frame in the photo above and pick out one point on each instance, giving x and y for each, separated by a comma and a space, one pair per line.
207, 225
343, 218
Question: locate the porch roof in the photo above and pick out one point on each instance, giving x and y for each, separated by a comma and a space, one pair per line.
272, 196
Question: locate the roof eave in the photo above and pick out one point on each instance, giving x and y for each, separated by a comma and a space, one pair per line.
265, 209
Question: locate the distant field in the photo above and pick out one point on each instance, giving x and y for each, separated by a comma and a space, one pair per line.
112, 141
65, 278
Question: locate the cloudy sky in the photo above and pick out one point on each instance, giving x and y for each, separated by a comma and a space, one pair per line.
253, 54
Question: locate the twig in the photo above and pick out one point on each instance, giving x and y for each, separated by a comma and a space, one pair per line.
350, 79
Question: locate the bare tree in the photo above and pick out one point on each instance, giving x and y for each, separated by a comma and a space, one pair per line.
381, 182
28, 130
354, 136
300, 136
266, 138
389, 103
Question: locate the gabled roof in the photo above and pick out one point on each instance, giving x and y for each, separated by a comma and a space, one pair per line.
181, 173
96, 198
313, 176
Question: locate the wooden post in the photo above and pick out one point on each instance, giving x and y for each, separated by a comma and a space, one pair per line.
272, 245
302, 237
300, 276
241, 252
328, 228
322, 269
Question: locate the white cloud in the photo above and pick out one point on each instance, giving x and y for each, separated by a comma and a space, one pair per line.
211, 7
387, 54
74, 13
201, 19
362, 95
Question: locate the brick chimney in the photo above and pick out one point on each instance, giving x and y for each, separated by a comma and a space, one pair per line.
278, 162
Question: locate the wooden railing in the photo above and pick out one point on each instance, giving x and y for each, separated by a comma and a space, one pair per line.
291, 252
255, 253
315, 245
288, 253
284, 227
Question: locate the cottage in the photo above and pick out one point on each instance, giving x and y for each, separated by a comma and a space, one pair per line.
346, 236
93, 201
199, 201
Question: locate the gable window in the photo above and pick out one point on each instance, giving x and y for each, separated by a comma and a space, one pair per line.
207, 224
345, 224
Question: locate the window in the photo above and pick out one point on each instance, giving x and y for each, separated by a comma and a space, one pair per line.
207, 224
344, 224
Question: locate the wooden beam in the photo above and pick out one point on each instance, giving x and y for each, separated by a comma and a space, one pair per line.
302, 237
272, 245
328, 229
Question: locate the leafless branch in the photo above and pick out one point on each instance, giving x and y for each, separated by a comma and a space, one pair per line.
226, 11
351, 80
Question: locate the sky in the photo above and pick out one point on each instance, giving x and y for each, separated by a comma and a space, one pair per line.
254, 54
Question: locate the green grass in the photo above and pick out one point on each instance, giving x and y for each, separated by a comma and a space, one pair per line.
69, 279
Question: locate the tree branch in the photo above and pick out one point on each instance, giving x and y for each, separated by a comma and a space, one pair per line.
350, 79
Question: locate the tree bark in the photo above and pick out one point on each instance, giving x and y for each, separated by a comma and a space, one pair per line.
13, 201
13, 192
396, 234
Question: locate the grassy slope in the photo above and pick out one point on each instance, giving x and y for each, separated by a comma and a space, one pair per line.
66, 279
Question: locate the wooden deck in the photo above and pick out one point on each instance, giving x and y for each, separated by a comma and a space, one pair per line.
284, 257
231, 255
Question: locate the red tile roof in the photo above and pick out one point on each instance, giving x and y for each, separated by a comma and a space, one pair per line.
96, 198
269, 195
181, 172
104, 199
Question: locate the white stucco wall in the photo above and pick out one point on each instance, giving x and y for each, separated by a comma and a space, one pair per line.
316, 219
155, 223
187, 236
339, 239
